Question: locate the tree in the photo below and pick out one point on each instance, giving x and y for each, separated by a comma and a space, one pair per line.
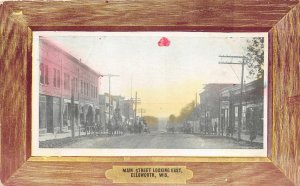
172, 119
255, 55
151, 121
186, 112
171, 123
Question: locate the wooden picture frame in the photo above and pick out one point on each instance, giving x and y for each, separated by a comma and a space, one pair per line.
281, 19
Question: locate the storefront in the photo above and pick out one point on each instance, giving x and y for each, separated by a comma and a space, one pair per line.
49, 114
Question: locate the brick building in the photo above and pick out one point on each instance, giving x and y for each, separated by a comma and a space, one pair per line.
61, 77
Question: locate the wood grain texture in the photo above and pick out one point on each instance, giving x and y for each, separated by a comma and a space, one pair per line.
270, 95
91, 173
286, 87
13, 92
213, 15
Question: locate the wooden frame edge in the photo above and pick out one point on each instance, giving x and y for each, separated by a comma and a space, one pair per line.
149, 159
141, 159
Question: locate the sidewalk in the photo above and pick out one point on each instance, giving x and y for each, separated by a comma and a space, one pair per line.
58, 140
51, 136
66, 134
246, 137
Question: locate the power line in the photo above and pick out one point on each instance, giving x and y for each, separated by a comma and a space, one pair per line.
234, 72
136, 101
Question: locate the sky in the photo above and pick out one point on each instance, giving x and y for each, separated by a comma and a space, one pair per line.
166, 78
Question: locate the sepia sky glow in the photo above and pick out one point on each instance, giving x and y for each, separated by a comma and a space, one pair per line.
165, 78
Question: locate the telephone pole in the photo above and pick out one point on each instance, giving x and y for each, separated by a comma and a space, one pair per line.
109, 93
72, 108
232, 58
136, 101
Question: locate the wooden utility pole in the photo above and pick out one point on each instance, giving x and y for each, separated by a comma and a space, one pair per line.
72, 108
242, 86
61, 85
135, 107
136, 101
109, 93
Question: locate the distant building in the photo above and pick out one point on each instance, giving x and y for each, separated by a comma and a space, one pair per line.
210, 107
104, 109
125, 106
127, 109
118, 102
61, 77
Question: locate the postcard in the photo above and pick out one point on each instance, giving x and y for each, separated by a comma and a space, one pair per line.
149, 94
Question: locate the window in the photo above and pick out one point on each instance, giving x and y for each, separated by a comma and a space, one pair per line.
91, 91
66, 81
73, 86
84, 88
44, 74
76, 85
58, 78
54, 78
236, 112
96, 91
81, 87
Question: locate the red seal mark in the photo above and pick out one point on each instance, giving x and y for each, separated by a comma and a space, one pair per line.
164, 42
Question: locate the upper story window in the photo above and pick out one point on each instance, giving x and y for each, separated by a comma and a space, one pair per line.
81, 87
44, 74
56, 78
87, 89
66, 81
96, 92
76, 85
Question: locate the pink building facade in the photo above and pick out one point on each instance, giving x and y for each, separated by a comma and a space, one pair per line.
61, 77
